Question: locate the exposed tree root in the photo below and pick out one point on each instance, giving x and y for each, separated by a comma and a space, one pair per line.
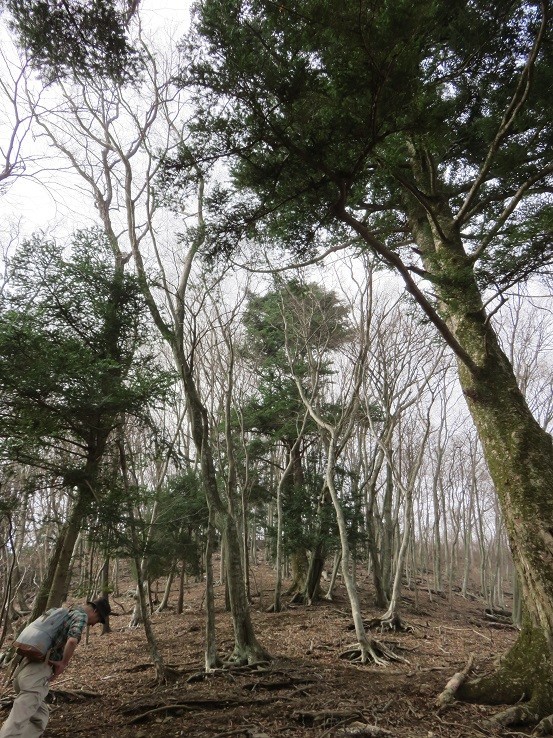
393, 623
361, 730
523, 714
371, 651
246, 730
545, 726
524, 679
146, 711
71, 695
250, 656
166, 675
289, 682
499, 613
229, 666
325, 718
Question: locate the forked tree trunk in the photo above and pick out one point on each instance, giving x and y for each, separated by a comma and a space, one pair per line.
388, 530
518, 452
333, 576
316, 565
367, 648
155, 653
59, 584
391, 616
246, 648
318, 556
167, 589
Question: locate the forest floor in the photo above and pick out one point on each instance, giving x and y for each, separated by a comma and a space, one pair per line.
306, 691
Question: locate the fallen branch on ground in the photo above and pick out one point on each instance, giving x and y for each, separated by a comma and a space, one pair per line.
498, 617
325, 718
448, 695
192, 704
361, 730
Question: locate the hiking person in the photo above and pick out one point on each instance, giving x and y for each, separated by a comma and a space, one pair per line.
31, 680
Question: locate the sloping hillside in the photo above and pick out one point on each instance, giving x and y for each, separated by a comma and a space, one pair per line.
307, 690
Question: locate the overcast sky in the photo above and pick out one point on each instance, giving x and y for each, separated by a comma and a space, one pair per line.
40, 198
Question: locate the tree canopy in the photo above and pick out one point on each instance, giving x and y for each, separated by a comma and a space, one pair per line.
72, 358
320, 106
67, 37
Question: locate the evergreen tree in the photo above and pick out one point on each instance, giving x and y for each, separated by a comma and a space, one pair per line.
87, 38
422, 131
72, 366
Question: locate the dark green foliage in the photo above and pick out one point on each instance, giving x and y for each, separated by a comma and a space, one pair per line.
301, 522
180, 526
319, 106
72, 362
87, 38
109, 522
310, 322
305, 317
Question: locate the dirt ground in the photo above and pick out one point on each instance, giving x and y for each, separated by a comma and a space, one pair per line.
306, 691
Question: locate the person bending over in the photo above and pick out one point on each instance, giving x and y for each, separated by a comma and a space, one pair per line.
31, 680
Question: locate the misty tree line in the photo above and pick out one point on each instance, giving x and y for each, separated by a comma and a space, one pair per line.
226, 341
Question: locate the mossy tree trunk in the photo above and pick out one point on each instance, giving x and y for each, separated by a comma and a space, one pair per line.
299, 561
518, 452
60, 581
318, 555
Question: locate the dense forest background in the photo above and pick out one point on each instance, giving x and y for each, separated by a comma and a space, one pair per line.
289, 302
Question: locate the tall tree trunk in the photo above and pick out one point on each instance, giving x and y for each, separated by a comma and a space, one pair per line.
518, 452
182, 578
277, 604
59, 584
318, 556
105, 589
368, 648
297, 550
157, 658
388, 528
212, 661
247, 647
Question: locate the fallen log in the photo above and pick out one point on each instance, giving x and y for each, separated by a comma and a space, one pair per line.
448, 695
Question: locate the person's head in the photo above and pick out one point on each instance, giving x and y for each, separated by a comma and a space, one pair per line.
98, 610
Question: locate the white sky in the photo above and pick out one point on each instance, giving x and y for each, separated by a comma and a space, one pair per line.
41, 199
55, 201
